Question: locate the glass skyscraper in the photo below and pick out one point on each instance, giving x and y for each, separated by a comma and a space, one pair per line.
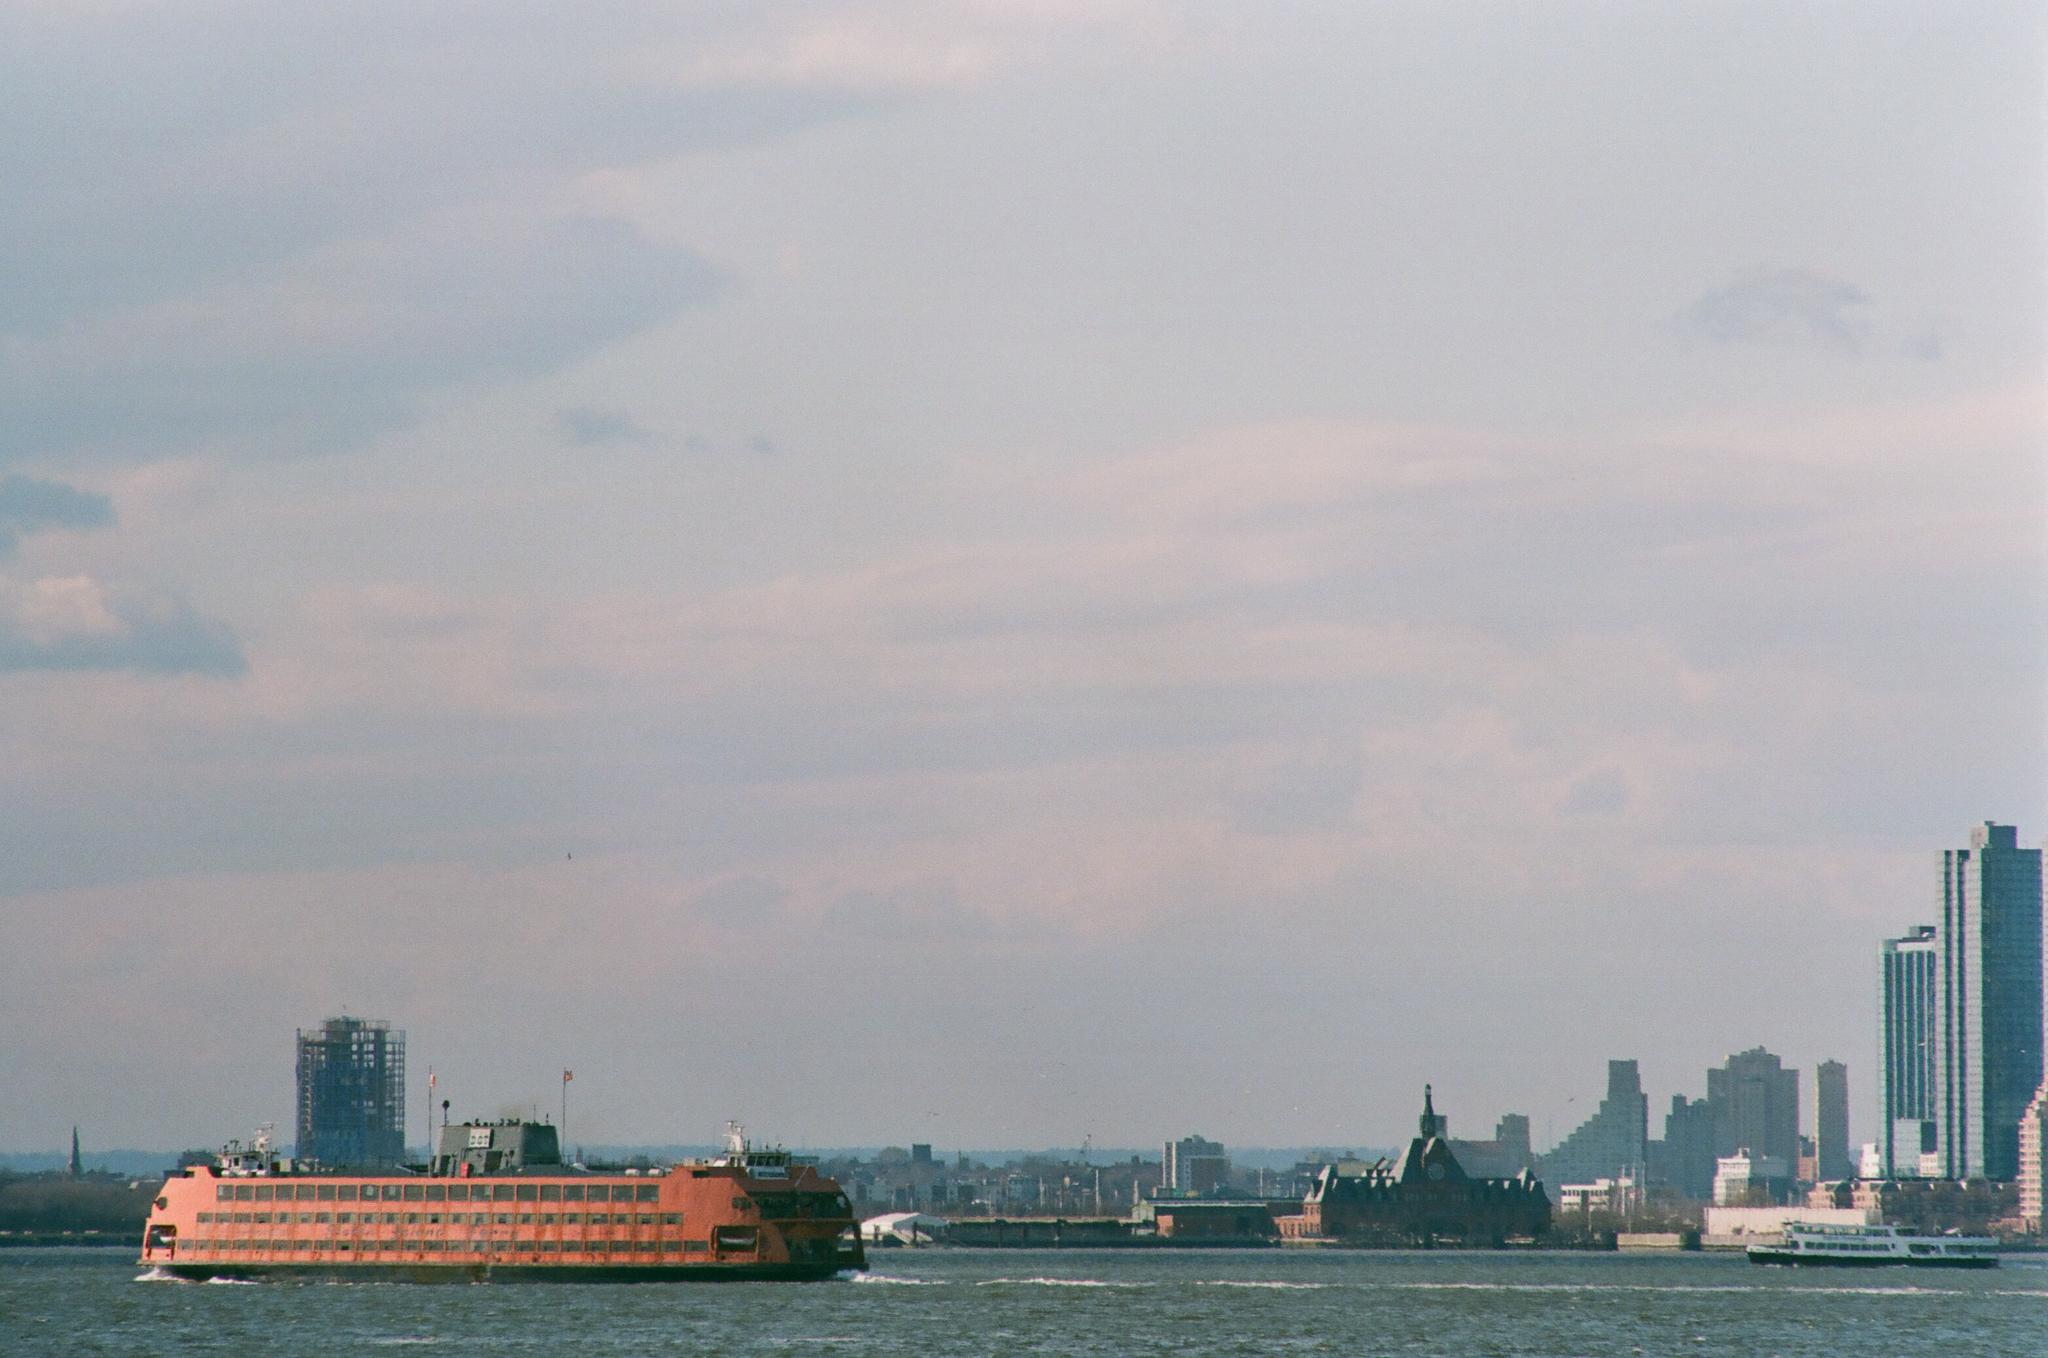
1991, 1001
1910, 1048
1962, 1015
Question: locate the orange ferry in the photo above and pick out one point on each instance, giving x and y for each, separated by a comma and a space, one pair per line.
498, 1205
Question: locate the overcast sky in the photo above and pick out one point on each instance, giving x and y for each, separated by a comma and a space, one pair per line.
994, 572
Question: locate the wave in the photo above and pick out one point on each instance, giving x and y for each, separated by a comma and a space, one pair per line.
1905, 1291
1235, 1282
1055, 1282
892, 1282
157, 1275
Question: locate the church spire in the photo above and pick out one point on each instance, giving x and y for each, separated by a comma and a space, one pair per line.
1429, 1122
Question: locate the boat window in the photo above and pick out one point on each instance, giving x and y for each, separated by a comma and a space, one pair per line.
304, 1193
244, 1192
263, 1193
346, 1192
528, 1192
572, 1192
394, 1192
600, 1193
458, 1192
550, 1192
325, 1192
436, 1193
502, 1192
647, 1192
224, 1193
415, 1192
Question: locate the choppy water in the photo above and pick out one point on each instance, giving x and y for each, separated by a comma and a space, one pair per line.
1183, 1304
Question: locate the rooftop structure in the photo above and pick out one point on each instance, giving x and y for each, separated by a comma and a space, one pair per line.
486, 1147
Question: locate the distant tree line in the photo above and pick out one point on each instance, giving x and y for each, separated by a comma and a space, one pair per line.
37, 1208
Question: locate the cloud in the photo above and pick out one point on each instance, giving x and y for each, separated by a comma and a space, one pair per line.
1782, 307
1313, 792
350, 342
744, 901
1271, 712
28, 504
77, 623
588, 426
227, 257
1601, 792
1924, 341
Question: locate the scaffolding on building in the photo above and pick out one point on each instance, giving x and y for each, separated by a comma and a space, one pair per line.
351, 1075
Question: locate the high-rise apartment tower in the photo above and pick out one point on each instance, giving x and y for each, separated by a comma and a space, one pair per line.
1754, 1103
1831, 1121
1962, 1020
1990, 1001
1909, 1047
1614, 1142
1192, 1165
351, 1093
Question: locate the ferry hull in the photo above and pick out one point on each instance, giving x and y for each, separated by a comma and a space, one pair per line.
1804, 1260
746, 1216
510, 1273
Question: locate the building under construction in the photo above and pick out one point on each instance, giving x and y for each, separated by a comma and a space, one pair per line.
352, 1093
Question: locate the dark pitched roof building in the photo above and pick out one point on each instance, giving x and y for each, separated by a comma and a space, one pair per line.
1422, 1197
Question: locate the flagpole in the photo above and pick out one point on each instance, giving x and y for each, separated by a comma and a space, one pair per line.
567, 1075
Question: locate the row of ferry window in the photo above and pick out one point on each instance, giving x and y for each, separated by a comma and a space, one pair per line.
459, 1246
456, 1218
438, 1192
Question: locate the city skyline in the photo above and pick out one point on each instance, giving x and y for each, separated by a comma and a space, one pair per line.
930, 570
350, 1096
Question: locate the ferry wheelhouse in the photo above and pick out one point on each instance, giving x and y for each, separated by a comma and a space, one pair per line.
1873, 1246
497, 1204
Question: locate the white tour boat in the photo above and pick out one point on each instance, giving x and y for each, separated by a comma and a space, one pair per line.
1871, 1246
